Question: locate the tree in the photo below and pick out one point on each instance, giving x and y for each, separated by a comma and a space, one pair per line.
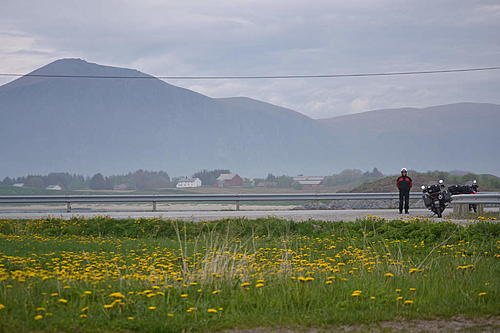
210, 177
270, 177
97, 182
7, 181
34, 181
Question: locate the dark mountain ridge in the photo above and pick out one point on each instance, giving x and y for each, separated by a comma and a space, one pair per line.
118, 125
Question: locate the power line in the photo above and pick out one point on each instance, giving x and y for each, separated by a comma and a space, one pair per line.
254, 77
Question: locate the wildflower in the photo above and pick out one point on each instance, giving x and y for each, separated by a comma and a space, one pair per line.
184, 295
413, 289
372, 297
37, 309
83, 315
87, 292
2, 306
388, 275
109, 306
356, 293
38, 317
215, 292
85, 309
130, 318
408, 301
54, 294
152, 308
117, 295
62, 300
399, 298
397, 290
212, 310
151, 295
329, 282
191, 309
244, 284
170, 315
482, 293
259, 285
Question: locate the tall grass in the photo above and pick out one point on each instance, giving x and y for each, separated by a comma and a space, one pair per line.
173, 276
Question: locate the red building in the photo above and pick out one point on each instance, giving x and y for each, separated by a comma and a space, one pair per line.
229, 180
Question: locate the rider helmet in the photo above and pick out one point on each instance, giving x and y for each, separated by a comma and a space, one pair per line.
404, 170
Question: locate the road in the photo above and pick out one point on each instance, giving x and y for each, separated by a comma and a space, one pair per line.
296, 215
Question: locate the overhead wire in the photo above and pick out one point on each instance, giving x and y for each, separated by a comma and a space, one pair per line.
244, 77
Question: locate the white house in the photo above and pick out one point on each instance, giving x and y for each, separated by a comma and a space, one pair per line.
188, 182
54, 187
309, 181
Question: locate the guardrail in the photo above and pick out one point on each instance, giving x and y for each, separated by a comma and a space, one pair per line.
462, 202
490, 198
237, 198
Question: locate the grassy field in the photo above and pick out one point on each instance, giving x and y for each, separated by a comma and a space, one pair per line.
150, 275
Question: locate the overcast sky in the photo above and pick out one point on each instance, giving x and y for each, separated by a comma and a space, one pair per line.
279, 37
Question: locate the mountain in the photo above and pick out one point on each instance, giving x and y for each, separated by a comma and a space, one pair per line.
463, 136
117, 125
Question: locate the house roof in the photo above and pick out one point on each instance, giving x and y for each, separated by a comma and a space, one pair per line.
187, 180
226, 176
309, 180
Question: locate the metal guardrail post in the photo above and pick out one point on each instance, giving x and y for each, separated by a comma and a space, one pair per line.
154, 206
68, 207
237, 205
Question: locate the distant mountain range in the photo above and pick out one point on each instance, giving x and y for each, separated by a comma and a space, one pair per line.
463, 136
119, 125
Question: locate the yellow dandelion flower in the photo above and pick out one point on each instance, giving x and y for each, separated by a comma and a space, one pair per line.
329, 282
2, 306
184, 295
170, 315
244, 284
87, 292
388, 275
399, 298
38, 317
212, 310
109, 306
215, 292
408, 301
259, 285
413, 289
41, 308
482, 293
85, 309
62, 300
117, 295
152, 308
397, 290
83, 315
130, 318
372, 297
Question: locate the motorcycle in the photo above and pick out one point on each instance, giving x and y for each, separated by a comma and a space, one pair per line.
471, 187
436, 197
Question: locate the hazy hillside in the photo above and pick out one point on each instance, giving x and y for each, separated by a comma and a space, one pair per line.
118, 125
487, 183
462, 136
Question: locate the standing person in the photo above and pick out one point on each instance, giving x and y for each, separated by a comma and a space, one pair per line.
404, 184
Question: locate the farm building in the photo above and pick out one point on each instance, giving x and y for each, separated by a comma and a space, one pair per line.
309, 181
188, 183
54, 187
229, 180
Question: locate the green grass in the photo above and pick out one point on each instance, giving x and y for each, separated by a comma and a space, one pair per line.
438, 269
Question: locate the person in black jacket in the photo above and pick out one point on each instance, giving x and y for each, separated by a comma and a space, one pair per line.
404, 184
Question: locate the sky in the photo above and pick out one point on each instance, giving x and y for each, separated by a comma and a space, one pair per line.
279, 37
